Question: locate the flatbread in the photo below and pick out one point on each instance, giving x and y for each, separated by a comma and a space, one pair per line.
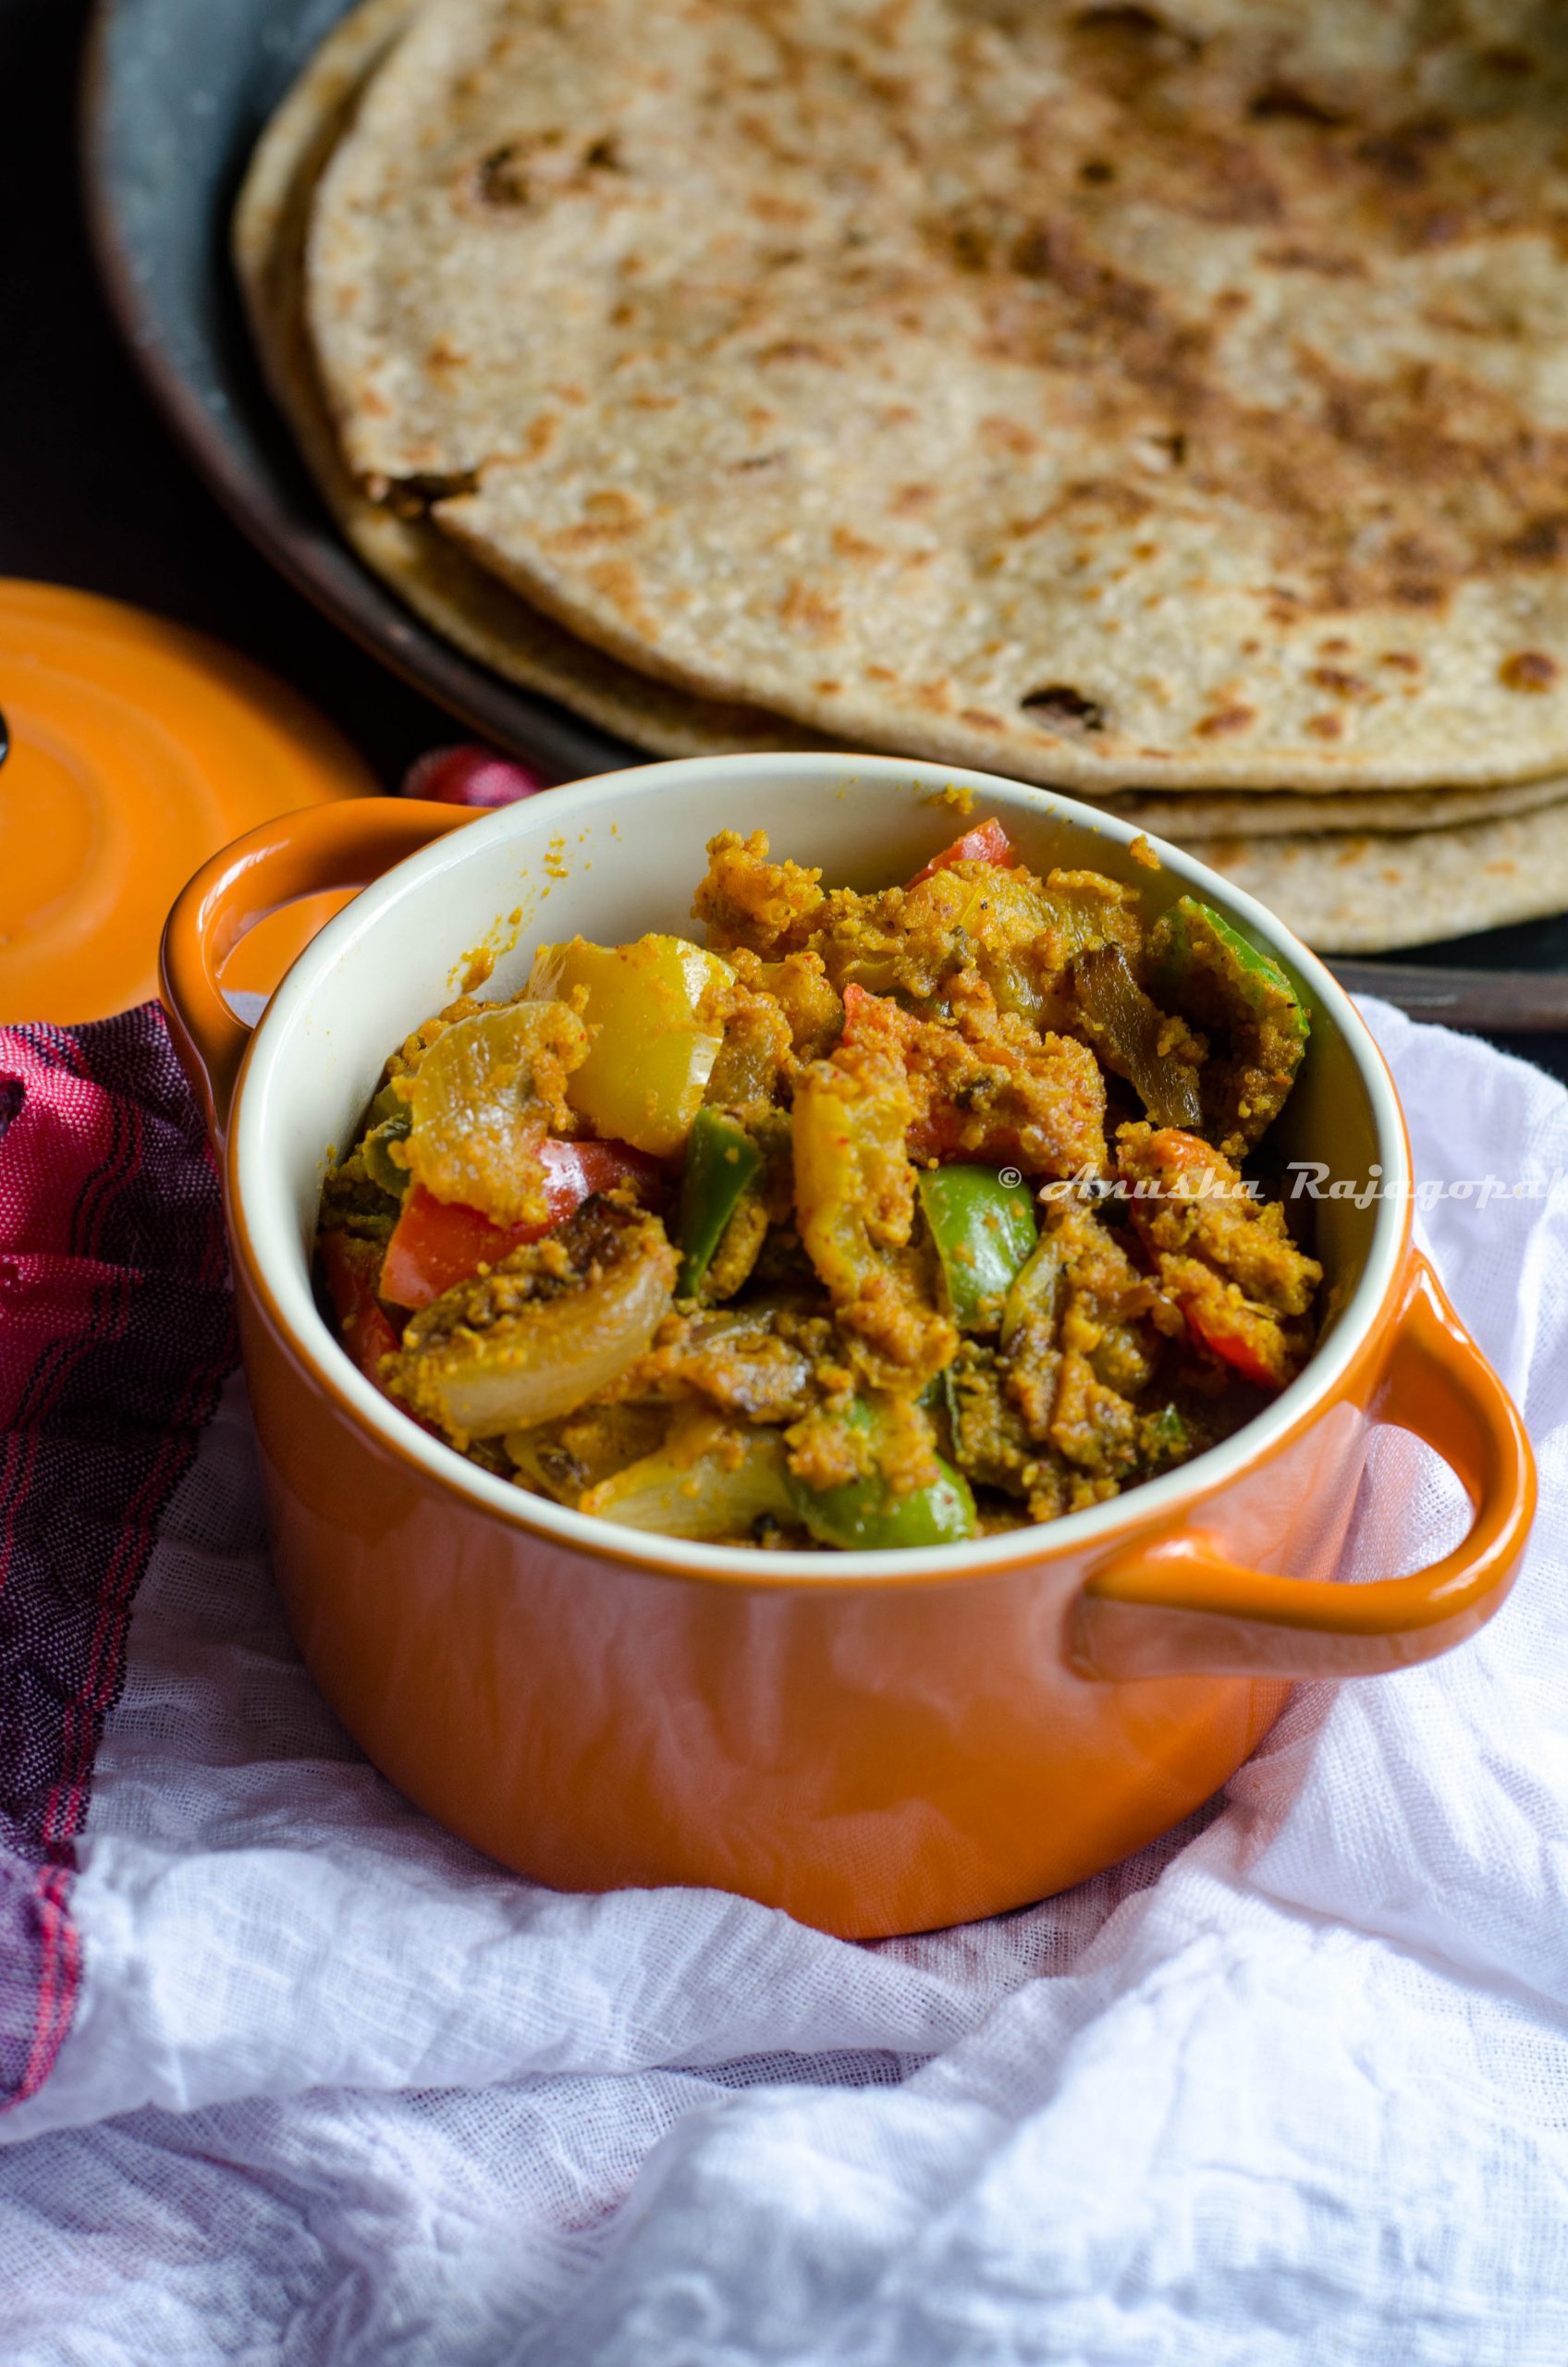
1199, 813
1367, 894
438, 580
1357, 890
1114, 396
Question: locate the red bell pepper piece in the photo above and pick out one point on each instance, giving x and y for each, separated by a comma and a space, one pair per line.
1174, 1149
1169, 1159
1174, 1155
1227, 1346
866, 1014
438, 1242
989, 843
350, 1268
939, 1130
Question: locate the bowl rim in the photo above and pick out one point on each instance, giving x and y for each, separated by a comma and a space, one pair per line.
281, 1277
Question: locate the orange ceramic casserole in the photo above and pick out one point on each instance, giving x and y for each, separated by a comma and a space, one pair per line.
876, 1742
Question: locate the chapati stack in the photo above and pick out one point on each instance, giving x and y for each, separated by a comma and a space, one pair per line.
1166, 404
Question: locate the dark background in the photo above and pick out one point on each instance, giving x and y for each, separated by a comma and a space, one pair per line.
94, 491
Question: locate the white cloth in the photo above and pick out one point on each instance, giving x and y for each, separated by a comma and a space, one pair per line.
1290, 2087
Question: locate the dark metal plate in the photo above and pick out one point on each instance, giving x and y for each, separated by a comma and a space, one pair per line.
175, 94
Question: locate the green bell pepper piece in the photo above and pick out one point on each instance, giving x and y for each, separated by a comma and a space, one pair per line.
721, 1162
985, 1231
1177, 944
1214, 976
864, 1515
388, 1122
384, 1171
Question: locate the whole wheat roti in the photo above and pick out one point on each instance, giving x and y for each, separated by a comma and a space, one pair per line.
1114, 395
494, 624
1199, 813
1350, 893
483, 616
438, 580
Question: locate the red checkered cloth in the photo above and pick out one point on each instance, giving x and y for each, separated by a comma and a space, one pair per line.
116, 1332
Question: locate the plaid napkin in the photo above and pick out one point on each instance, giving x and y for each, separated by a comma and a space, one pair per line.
116, 1330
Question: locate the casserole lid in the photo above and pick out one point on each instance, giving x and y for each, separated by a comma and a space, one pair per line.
136, 749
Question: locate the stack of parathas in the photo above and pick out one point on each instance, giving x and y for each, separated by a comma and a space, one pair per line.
1169, 404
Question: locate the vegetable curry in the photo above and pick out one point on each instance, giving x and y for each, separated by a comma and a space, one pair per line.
870, 1221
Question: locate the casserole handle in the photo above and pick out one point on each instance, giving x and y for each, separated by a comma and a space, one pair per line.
298, 854
1180, 1606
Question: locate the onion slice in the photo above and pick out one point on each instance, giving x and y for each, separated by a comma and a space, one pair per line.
540, 1334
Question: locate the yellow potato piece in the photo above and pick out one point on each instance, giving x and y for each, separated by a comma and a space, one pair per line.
656, 1013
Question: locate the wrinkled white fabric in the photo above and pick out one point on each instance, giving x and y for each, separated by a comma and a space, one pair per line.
1290, 2086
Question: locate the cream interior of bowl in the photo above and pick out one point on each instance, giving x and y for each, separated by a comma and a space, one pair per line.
614, 857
